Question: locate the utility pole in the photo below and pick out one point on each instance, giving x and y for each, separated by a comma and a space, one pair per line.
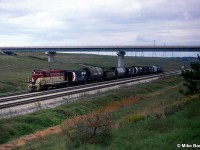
154, 42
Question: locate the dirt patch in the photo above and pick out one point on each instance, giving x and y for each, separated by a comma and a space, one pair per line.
21, 141
57, 129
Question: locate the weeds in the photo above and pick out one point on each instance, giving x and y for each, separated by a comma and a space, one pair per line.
169, 111
109, 102
94, 128
135, 118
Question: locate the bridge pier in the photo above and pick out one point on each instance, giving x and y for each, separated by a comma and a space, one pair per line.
121, 58
9, 53
51, 57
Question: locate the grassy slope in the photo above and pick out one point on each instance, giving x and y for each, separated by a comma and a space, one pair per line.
14, 70
21, 125
151, 133
164, 133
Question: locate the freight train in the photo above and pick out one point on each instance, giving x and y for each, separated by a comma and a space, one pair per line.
55, 78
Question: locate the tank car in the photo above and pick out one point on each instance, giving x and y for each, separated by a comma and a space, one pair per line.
138, 70
76, 76
155, 69
130, 71
109, 74
120, 72
94, 74
145, 70
159, 69
151, 69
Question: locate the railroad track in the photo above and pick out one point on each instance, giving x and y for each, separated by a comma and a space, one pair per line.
26, 98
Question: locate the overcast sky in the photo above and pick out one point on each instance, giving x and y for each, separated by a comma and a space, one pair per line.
99, 22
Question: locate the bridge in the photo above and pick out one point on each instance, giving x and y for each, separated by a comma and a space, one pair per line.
121, 50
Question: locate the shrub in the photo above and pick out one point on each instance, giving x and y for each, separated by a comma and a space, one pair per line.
169, 111
192, 78
93, 129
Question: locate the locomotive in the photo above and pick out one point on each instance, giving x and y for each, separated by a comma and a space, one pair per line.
44, 79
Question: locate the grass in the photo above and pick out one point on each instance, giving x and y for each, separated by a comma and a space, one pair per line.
15, 70
151, 132
164, 133
26, 124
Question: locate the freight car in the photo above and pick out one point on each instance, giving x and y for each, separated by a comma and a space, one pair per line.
138, 70
76, 76
109, 74
145, 70
115, 72
120, 72
151, 69
159, 69
43, 79
94, 74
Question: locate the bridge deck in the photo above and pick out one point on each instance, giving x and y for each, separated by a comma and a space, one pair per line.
127, 48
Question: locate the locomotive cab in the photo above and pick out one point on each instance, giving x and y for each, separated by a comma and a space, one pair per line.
33, 85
